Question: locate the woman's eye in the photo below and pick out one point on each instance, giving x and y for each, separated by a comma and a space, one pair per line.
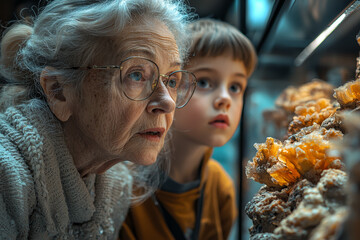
172, 82
235, 88
203, 83
136, 76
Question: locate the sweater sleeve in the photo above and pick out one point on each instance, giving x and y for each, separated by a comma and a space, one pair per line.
17, 199
7, 225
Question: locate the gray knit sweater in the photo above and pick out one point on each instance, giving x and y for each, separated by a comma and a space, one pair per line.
42, 193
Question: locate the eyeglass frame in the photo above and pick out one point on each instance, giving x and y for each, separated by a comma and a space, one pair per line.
105, 67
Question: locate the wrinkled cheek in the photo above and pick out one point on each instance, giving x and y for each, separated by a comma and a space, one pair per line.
119, 129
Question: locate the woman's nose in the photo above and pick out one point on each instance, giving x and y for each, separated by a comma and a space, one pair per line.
223, 99
161, 101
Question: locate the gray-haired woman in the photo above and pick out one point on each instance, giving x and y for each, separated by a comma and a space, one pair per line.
91, 84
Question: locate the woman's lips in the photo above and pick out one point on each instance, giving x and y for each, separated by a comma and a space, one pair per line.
152, 134
220, 121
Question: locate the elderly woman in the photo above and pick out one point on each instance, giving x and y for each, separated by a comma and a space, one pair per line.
91, 84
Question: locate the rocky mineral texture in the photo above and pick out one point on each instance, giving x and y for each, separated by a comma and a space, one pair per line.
318, 204
293, 96
311, 112
330, 225
271, 205
307, 194
299, 211
335, 122
298, 97
303, 155
348, 95
350, 149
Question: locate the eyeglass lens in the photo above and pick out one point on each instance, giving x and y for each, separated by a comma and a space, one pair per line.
184, 87
140, 76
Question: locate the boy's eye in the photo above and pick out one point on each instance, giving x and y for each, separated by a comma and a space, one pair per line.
203, 83
235, 88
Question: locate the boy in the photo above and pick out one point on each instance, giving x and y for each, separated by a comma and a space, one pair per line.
197, 200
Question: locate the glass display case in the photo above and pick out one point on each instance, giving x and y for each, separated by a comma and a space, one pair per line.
297, 42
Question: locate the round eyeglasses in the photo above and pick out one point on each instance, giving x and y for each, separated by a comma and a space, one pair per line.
140, 78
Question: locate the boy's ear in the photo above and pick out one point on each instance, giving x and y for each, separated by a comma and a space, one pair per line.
58, 96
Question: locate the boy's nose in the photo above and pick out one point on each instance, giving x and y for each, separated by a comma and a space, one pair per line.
223, 101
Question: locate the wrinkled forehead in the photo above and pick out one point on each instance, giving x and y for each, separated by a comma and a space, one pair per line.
151, 39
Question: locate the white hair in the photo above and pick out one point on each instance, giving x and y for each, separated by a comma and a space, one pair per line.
70, 33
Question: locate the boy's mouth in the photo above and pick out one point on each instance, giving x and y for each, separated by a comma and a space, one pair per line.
220, 121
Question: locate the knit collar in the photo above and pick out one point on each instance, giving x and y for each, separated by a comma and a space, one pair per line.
90, 200
68, 204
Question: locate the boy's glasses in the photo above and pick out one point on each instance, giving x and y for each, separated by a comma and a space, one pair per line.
140, 77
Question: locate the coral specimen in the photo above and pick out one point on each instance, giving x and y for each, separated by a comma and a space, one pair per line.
304, 218
307, 193
335, 122
293, 97
297, 97
330, 225
270, 206
299, 211
348, 95
317, 205
303, 155
311, 112
265, 158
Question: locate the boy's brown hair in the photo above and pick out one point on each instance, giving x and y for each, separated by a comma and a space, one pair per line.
212, 38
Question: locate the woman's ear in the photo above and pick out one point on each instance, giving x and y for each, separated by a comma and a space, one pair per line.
58, 95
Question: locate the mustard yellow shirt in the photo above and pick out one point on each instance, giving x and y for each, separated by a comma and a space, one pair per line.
219, 211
